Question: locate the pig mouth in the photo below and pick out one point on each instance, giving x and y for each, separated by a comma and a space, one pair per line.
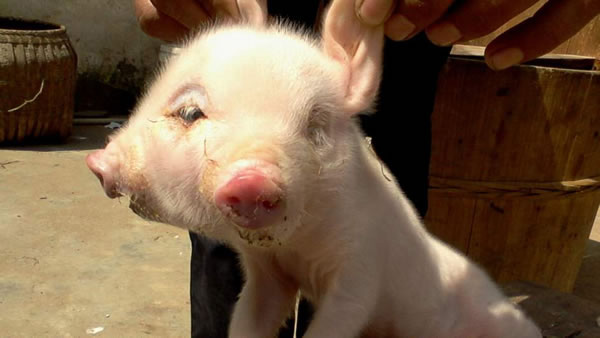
262, 238
263, 214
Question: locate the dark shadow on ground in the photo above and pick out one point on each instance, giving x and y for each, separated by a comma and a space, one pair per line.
557, 314
83, 137
588, 281
560, 314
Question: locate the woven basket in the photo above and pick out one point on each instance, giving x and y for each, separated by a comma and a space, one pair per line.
37, 81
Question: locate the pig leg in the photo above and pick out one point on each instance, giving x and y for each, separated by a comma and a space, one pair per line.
345, 309
264, 303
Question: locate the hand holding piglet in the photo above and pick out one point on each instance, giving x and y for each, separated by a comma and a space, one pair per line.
172, 20
450, 21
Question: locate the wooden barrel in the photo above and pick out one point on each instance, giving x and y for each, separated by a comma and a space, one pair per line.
515, 168
37, 81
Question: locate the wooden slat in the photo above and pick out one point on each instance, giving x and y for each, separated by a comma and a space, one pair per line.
565, 61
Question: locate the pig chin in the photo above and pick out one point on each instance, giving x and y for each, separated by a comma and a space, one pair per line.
141, 206
273, 235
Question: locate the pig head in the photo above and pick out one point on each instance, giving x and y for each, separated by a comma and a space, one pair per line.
244, 134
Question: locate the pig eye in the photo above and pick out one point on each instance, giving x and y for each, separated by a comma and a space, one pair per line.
188, 103
190, 114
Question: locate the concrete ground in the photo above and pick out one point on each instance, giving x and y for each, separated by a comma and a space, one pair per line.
72, 260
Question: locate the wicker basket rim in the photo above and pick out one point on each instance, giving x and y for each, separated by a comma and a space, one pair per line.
57, 30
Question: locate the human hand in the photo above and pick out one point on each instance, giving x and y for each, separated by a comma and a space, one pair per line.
171, 20
449, 21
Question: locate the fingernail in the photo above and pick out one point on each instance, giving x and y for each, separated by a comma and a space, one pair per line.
371, 12
398, 27
506, 58
443, 34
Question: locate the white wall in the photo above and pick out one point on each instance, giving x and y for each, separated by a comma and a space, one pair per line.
104, 33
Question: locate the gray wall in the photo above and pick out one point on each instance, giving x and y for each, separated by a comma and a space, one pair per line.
113, 53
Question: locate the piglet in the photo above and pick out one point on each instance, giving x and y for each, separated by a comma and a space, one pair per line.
249, 136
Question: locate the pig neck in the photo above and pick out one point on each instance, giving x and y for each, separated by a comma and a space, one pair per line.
367, 221
367, 199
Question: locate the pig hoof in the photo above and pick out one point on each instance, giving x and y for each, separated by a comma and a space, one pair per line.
251, 200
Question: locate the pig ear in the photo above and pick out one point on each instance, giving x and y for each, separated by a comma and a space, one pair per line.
358, 49
253, 11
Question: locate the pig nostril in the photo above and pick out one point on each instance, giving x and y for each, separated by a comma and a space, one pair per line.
100, 178
268, 205
251, 199
104, 170
233, 200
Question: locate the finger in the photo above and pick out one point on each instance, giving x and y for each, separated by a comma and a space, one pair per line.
156, 24
474, 18
223, 9
187, 12
253, 11
412, 16
552, 25
373, 12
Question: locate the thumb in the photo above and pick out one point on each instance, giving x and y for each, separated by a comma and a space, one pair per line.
373, 12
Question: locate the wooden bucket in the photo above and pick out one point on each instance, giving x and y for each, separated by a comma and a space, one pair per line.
515, 168
37, 80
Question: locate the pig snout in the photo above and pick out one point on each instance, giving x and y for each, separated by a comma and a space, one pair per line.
252, 198
105, 169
